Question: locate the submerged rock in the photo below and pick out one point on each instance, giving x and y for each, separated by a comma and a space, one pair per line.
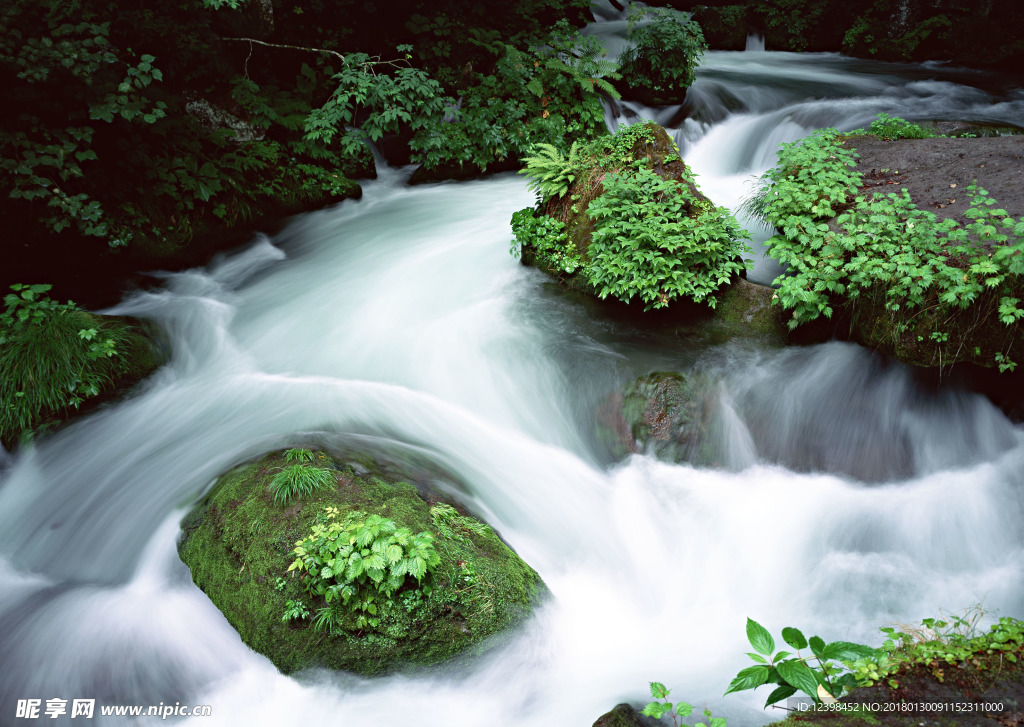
664, 413
239, 544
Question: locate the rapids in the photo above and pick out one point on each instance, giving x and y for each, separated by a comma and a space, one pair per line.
854, 496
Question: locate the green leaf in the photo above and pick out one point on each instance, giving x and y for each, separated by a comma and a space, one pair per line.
749, 678
658, 690
759, 638
799, 675
817, 645
783, 692
847, 651
656, 709
794, 637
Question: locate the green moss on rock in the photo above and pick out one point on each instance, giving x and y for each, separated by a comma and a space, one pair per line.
745, 309
238, 545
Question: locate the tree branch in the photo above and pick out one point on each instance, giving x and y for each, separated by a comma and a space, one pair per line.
376, 61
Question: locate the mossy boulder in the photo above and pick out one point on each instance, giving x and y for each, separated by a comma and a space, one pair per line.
239, 545
745, 310
664, 413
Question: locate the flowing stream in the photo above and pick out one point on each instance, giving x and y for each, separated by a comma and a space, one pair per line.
851, 495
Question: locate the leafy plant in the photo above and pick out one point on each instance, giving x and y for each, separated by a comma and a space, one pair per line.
53, 356
375, 101
654, 241
299, 480
664, 52
548, 93
552, 248
827, 679
893, 127
550, 173
361, 563
678, 711
883, 248
294, 611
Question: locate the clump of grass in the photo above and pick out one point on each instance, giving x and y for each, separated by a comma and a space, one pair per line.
299, 480
53, 356
298, 455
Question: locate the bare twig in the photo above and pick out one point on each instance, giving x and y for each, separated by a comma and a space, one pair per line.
368, 65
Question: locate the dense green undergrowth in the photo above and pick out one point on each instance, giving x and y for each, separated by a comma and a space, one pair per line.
661, 60
623, 214
143, 128
360, 574
55, 356
935, 280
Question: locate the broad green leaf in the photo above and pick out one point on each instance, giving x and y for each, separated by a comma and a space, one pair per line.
794, 637
783, 692
749, 678
759, 638
817, 645
847, 651
799, 675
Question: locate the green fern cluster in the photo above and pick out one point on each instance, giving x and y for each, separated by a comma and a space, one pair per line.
299, 480
550, 172
452, 525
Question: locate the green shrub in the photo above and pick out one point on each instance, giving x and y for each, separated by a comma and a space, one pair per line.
885, 248
549, 93
362, 563
821, 675
653, 238
938, 644
893, 127
299, 480
553, 250
649, 244
664, 52
53, 356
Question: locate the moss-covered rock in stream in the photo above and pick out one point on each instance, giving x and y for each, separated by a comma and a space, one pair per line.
663, 413
745, 310
623, 217
239, 545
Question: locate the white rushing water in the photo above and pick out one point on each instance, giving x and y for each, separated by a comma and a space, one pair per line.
855, 496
